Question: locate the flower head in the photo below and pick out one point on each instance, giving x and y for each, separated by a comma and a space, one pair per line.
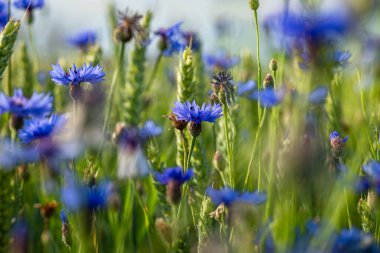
318, 95
174, 174
221, 61
354, 240
337, 143
223, 88
193, 113
83, 39
75, 76
173, 178
371, 178
29, 4
12, 154
228, 196
341, 58
38, 105
246, 88
171, 39
37, 129
268, 97
130, 27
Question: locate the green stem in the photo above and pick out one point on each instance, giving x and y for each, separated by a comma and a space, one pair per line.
253, 151
227, 136
184, 143
154, 72
190, 153
112, 90
258, 50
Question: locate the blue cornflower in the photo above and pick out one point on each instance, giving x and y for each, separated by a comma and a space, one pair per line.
29, 4
354, 241
75, 76
172, 40
38, 105
228, 196
193, 113
340, 58
246, 88
150, 129
76, 196
173, 178
221, 60
174, 174
3, 13
268, 97
83, 39
371, 178
12, 154
36, 129
318, 95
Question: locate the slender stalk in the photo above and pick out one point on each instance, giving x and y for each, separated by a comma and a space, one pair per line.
229, 152
184, 142
8, 89
154, 72
258, 50
190, 153
113, 88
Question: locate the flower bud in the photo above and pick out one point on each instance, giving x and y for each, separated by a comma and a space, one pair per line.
164, 228
268, 82
76, 92
177, 124
122, 34
195, 129
17, 122
173, 191
219, 161
47, 210
273, 65
254, 4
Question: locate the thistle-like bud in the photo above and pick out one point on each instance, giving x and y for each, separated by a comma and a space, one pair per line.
129, 28
177, 124
164, 228
173, 191
76, 92
337, 144
273, 65
219, 161
254, 4
223, 87
195, 129
268, 82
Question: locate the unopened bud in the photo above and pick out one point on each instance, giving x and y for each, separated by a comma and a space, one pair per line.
173, 191
76, 92
254, 4
273, 65
219, 161
195, 129
47, 210
268, 82
164, 228
177, 124
122, 34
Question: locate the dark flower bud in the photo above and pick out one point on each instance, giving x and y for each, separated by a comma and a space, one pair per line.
47, 210
164, 228
195, 129
268, 82
76, 92
173, 191
162, 44
219, 161
129, 28
337, 144
122, 34
177, 124
17, 122
254, 4
273, 65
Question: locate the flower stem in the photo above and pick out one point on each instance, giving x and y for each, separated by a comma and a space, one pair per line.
185, 145
113, 87
190, 153
154, 72
229, 151
258, 50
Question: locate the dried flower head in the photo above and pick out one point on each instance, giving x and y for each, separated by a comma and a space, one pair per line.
223, 87
130, 27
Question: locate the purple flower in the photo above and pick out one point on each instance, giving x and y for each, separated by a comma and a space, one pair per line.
334, 135
29, 4
174, 174
75, 76
193, 38
354, 240
193, 113
150, 130
228, 196
12, 154
38, 105
172, 39
83, 39
318, 95
269, 97
36, 129
340, 58
221, 60
246, 88
3, 13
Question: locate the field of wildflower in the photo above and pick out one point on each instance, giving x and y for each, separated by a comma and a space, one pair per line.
192, 151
